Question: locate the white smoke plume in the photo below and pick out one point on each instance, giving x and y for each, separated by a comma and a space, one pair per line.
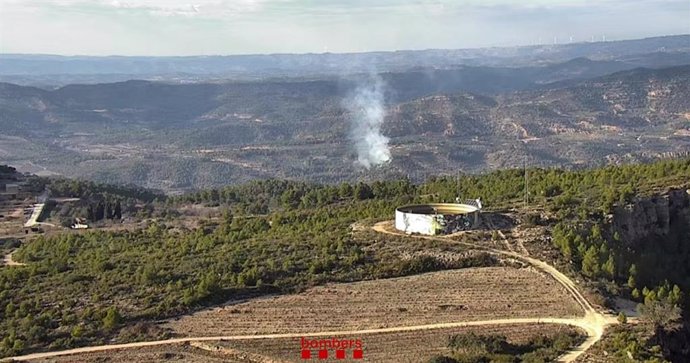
367, 111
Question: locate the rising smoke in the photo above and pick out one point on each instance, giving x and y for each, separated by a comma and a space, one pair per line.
366, 106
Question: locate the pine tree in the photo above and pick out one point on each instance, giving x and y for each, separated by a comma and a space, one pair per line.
622, 318
363, 191
112, 318
650, 298
609, 267
590, 262
117, 213
596, 233
99, 212
581, 248
662, 292
345, 191
675, 297
107, 213
635, 294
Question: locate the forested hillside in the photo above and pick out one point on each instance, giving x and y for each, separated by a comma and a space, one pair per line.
281, 236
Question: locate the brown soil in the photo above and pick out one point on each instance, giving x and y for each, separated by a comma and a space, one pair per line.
416, 346
412, 346
164, 353
446, 296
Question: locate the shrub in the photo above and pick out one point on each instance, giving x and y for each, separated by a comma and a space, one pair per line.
112, 318
622, 318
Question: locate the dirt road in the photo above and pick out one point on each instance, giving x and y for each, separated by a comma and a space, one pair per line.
37, 211
579, 323
593, 322
8, 261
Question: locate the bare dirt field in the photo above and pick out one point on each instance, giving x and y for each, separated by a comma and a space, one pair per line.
12, 220
415, 346
448, 296
165, 353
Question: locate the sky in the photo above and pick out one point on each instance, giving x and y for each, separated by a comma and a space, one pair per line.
215, 27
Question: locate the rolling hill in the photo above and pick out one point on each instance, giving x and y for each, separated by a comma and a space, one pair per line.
180, 136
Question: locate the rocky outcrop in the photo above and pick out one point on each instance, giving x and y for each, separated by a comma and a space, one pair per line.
655, 234
654, 216
674, 342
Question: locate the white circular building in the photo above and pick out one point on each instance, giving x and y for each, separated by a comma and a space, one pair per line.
437, 218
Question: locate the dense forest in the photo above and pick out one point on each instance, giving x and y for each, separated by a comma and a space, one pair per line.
283, 236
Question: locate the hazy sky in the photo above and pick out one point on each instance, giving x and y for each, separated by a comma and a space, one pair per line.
191, 27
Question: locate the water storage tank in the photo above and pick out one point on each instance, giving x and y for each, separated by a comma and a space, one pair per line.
437, 218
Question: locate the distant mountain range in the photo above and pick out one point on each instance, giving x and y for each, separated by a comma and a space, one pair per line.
51, 70
177, 136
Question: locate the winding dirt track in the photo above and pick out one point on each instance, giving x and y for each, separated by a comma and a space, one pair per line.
579, 323
8, 261
593, 322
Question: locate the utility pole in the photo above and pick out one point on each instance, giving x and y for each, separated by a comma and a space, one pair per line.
526, 184
457, 189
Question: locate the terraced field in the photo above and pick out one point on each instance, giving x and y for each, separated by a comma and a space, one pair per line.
165, 353
448, 296
412, 346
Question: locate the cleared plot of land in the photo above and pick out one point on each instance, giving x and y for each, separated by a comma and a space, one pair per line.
12, 217
448, 296
413, 346
167, 353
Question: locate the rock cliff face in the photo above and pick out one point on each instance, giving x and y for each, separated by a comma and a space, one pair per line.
655, 234
674, 342
652, 217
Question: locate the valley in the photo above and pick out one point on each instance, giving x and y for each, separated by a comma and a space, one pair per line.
208, 135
